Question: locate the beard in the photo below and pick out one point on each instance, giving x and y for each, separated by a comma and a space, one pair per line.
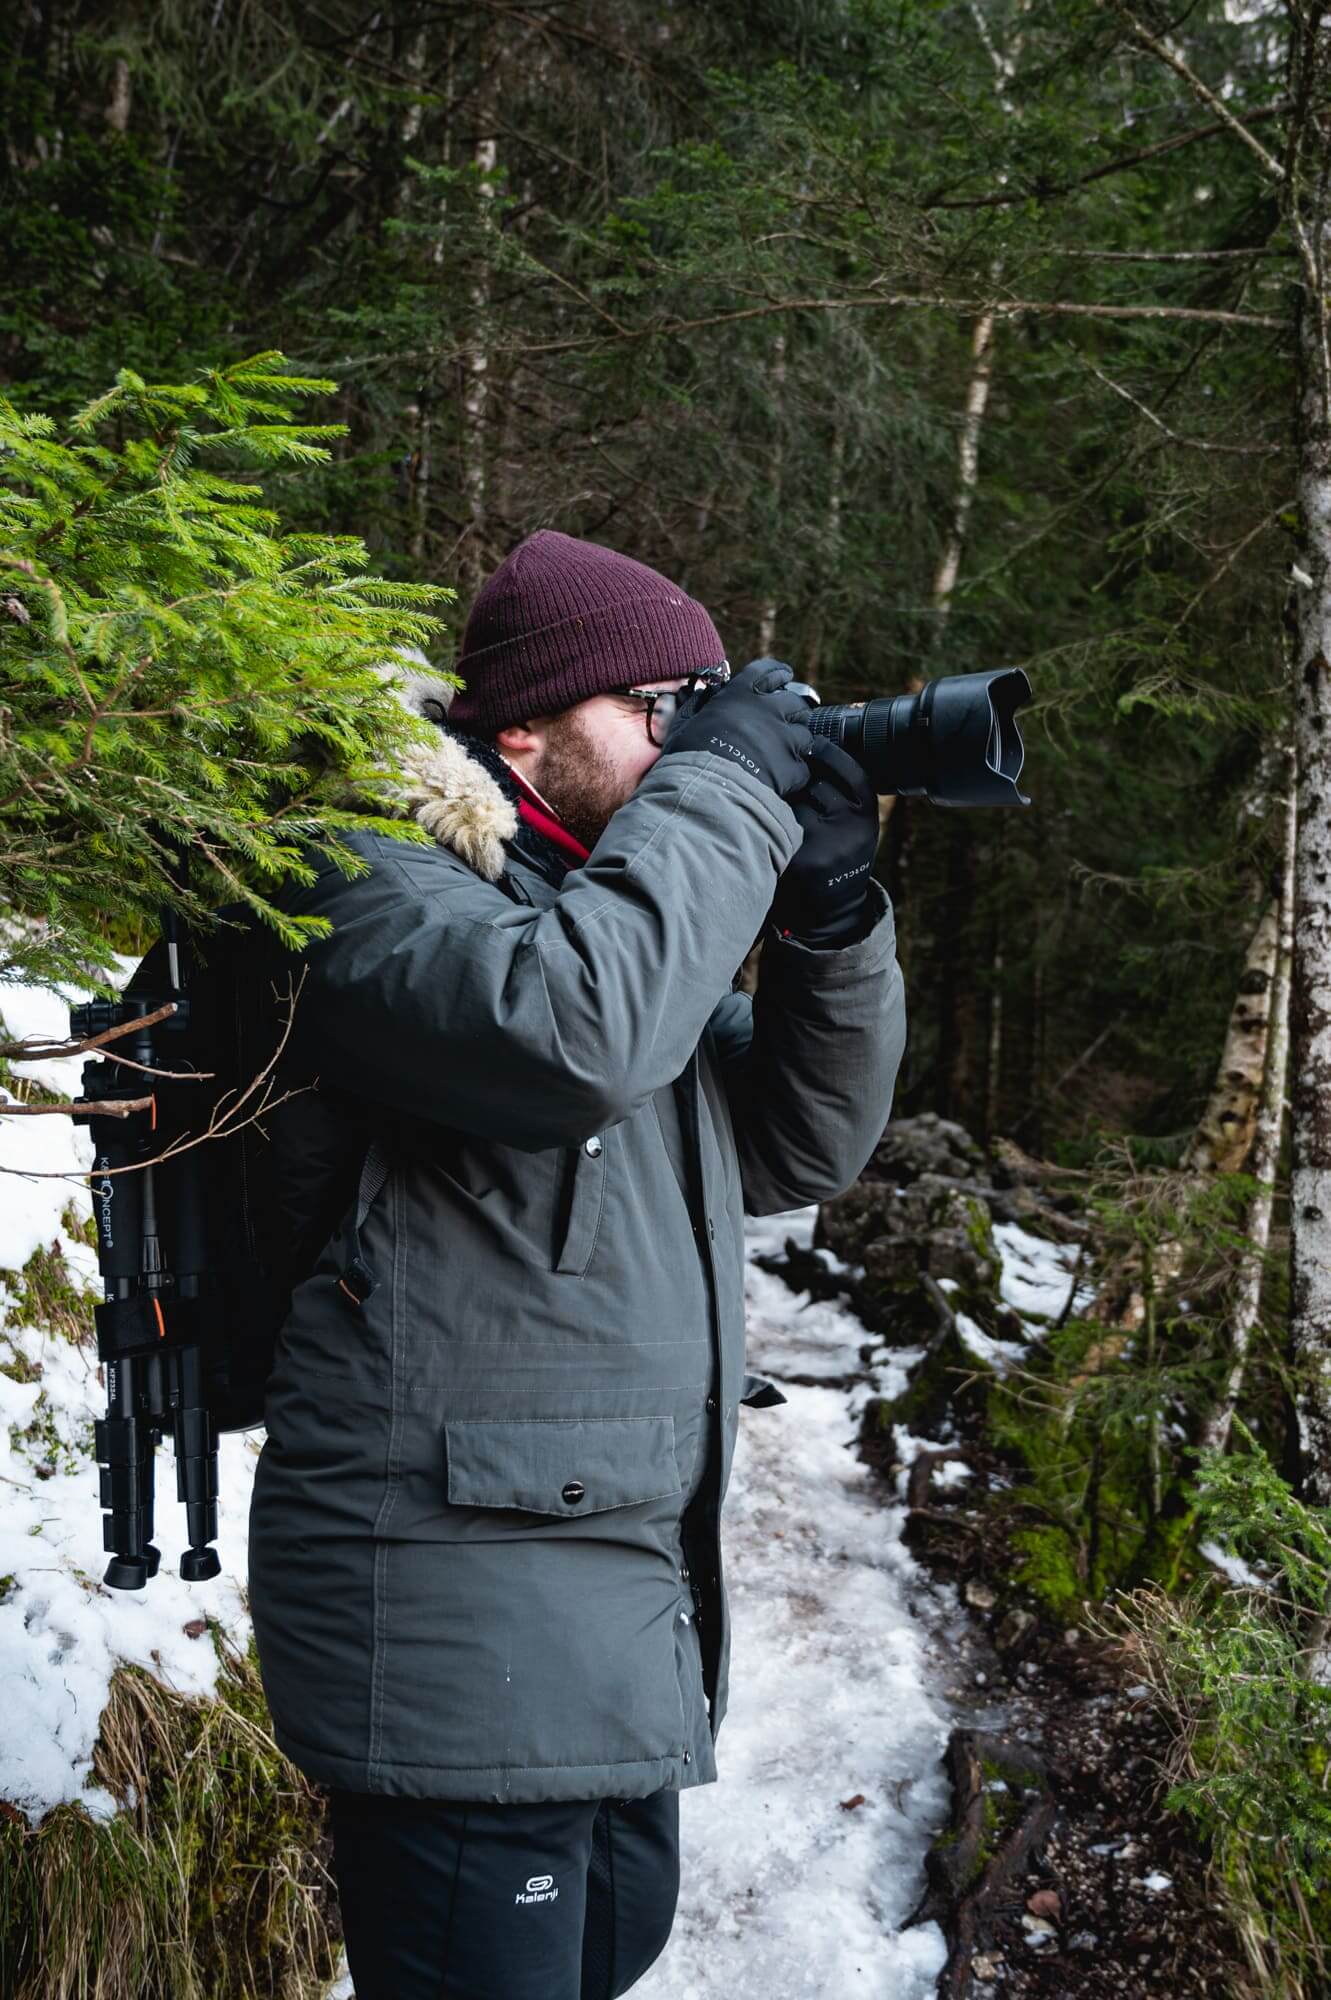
576, 776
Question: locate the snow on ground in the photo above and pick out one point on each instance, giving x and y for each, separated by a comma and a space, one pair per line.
62, 1631
1037, 1275
787, 1892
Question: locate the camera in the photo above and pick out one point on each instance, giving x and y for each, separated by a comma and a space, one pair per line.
955, 743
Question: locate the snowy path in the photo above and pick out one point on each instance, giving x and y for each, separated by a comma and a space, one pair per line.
787, 1894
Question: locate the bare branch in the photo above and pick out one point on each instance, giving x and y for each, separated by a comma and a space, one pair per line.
1267, 521
121, 1107
1200, 90
1005, 309
1115, 166
1192, 444
221, 1125
35, 1048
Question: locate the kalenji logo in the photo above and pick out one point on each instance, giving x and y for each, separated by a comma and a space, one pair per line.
539, 1889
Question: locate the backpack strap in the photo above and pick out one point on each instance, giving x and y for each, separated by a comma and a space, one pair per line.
357, 1280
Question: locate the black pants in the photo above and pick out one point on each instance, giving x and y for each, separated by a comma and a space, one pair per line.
445, 1900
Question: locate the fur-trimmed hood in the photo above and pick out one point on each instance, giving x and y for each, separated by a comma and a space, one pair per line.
457, 787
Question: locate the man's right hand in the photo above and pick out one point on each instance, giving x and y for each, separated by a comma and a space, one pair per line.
754, 722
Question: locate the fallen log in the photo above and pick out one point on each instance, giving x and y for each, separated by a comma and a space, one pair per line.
984, 1849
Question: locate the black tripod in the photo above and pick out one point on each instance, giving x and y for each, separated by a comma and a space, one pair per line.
152, 1246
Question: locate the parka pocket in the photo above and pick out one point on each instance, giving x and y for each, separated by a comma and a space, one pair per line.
581, 1203
561, 1466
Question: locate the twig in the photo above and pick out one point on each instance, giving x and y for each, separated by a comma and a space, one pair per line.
221, 1125
1200, 90
1266, 522
1192, 444
33, 1048
1116, 166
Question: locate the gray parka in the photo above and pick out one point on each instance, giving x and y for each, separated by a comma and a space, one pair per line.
484, 1554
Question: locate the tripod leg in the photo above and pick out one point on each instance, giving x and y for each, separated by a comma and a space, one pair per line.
125, 1456
196, 1467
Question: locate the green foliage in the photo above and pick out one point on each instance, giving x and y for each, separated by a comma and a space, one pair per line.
179, 674
1245, 1673
205, 1886
1100, 1424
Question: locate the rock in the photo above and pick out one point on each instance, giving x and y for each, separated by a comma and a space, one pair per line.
1040, 1933
1015, 1626
925, 1145
897, 1234
1045, 1903
979, 1595
987, 1965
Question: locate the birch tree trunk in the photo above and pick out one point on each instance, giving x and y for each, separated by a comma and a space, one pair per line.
968, 465
1310, 1189
475, 395
1309, 208
1225, 1132
1265, 1154
777, 377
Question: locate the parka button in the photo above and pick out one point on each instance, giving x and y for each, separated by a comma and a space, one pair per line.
688, 1756
592, 1147
711, 1402
573, 1492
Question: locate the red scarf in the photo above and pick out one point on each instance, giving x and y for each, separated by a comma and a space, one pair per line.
535, 812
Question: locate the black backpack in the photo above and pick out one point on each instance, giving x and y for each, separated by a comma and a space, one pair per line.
243, 1214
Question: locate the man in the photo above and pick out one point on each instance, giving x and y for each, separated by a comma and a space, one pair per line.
485, 1568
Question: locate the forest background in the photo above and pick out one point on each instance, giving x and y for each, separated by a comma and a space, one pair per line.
912, 338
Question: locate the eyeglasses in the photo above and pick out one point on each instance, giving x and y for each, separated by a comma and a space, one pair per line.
662, 704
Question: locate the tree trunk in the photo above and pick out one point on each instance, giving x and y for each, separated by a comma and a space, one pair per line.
476, 392
1224, 1135
968, 464
1310, 1189
1308, 207
1265, 1148
777, 377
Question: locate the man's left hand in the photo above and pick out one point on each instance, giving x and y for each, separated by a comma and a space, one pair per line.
820, 899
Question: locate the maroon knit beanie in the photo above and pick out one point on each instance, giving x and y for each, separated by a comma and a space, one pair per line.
562, 619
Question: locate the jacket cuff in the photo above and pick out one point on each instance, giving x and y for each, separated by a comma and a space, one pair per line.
872, 945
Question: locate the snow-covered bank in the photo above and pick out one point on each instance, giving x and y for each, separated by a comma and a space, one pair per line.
62, 1631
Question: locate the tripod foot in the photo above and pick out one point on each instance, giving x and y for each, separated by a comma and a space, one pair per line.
197, 1565
126, 1573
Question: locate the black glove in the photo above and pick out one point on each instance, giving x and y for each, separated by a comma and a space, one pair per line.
821, 897
751, 720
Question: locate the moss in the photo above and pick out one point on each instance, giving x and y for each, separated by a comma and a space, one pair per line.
980, 1229
209, 1885
81, 1227
15, 1363
25, 1088
47, 1294
40, 1440
949, 1381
